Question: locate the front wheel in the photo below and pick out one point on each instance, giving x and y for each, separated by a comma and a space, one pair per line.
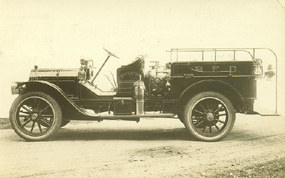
35, 116
209, 116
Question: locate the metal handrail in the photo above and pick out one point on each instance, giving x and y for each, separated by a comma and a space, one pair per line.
202, 50
250, 51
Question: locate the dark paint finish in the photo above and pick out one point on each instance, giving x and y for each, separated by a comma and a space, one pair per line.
236, 77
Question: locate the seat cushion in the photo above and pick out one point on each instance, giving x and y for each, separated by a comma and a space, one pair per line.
127, 75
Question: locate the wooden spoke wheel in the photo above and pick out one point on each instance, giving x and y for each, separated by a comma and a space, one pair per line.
209, 116
35, 116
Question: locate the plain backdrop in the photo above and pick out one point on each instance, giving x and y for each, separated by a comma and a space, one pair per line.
57, 33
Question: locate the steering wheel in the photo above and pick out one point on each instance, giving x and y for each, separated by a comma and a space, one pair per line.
111, 54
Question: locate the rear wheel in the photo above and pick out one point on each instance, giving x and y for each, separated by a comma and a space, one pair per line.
209, 116
35, 116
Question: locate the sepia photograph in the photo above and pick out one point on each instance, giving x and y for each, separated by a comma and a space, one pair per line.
141, 88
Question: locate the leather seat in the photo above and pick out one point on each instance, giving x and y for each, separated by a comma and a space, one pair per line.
136, 66
127, 75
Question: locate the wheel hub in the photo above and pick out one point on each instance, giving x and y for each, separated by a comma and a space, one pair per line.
210, 116
34, 116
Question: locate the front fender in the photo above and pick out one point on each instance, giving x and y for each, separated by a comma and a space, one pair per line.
56, 92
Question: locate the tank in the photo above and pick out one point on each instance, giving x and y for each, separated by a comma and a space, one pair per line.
139, 88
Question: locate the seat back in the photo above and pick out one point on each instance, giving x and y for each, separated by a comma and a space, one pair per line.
127, 75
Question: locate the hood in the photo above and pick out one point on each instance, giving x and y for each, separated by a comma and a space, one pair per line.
53, 73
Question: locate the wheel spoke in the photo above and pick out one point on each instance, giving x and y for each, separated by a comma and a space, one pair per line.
217, 127
33, 126
207, 105
219, 108
39, 125
27, 109
21, 115
221, 121
26, 122
47, 115
198, 111
45, 121
210, 129
38, 105
202, 106
44, 109
211, 105
200, 123
222, 114
204, 129
197, 117
24, 112
35, 103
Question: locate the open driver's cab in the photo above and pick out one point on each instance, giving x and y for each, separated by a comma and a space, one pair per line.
127, 75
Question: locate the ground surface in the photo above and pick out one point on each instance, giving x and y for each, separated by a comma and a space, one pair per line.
151, 148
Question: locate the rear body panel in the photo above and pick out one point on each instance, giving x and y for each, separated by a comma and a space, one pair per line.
237, 74
235, 77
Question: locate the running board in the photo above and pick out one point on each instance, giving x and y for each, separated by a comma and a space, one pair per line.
167, 115
99, 117
274, 114
263, 114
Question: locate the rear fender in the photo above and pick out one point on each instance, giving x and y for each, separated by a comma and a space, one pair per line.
211, 85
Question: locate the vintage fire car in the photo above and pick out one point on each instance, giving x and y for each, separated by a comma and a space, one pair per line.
205, 95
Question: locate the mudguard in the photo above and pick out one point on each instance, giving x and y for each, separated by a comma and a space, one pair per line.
200, 85
54, 91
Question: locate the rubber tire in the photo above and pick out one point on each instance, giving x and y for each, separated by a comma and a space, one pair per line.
64, 123
57, 117
188, 113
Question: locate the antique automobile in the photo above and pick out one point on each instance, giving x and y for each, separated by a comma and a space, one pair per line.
205, 95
